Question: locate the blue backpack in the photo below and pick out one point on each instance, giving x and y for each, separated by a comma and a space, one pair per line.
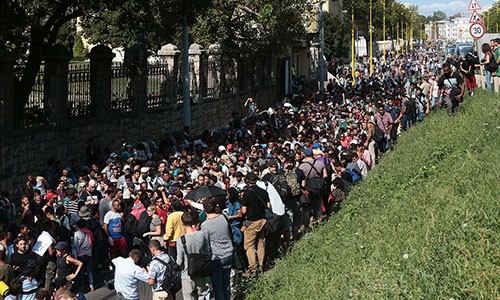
356, 175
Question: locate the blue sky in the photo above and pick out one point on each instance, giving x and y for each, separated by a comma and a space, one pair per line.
451, 7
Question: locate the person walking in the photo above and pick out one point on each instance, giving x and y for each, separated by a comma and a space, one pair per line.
316, 173
157, 269
254, 202
448, 83
128, 273
83, 241
216, 226
193, 241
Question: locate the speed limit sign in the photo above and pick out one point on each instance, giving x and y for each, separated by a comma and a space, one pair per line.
477, 30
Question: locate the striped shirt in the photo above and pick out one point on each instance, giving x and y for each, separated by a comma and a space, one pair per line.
219, 236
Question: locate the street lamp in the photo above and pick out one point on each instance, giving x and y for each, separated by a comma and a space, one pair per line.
321, 61
383, 30
352, 42
371, 38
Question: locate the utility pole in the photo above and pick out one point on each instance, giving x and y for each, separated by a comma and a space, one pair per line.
352, 42
186, 97
321, 30
371, 38
383, 30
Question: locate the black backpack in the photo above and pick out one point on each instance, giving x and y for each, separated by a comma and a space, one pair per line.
377, 134
143, 224
172, 280
279, 182
130, 226
411, 107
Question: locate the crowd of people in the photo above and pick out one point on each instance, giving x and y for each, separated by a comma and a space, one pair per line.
187, 213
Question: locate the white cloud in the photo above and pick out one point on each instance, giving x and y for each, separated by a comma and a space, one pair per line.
450, 8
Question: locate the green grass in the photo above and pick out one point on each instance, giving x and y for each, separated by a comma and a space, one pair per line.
425, 225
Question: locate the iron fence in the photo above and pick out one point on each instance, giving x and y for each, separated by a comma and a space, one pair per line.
122, 93
210, 79
229, 79
193, 88
36, 110
79, 103
157, 87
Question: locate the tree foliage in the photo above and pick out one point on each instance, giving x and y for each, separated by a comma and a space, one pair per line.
150, 23
396, 14
337, 36
249, 27
31, 27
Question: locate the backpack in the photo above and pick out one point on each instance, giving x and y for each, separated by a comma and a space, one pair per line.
280, 183
316, 184
356, 175
411, 107
292, 181
172, 280
143, 224
378, 134
131, 225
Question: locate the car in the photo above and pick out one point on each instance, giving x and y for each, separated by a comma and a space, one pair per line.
463, 48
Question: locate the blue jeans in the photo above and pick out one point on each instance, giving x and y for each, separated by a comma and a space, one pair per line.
221, 272
488, 81
87, 264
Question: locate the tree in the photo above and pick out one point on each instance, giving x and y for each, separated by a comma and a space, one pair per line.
31, 27
149, 23
438, 16
249, 27
79, 50
337, 37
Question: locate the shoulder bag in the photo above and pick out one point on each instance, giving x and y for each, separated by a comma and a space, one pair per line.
199, 264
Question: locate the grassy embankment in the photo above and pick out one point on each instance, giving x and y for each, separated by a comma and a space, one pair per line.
425, 225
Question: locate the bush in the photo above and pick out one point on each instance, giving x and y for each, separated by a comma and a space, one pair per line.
79, 50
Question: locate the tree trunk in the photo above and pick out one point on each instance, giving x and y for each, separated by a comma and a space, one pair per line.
24, 86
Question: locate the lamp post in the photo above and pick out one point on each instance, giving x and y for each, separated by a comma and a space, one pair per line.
397, 38
352, 42
371, 38
321, 61
383, 29
321, 31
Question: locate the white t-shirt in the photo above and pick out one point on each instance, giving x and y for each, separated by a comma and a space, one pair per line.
114, 221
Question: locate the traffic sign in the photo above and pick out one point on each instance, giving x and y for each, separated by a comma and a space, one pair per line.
475, 17
474, 5
477, 30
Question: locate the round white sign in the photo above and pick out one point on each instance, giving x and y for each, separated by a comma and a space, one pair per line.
477, 30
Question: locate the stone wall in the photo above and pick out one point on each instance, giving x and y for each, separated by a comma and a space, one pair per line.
64, 135
27, 150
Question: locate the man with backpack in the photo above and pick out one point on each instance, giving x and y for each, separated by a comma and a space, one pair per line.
451, 86
164, 273
295, 179
315, 173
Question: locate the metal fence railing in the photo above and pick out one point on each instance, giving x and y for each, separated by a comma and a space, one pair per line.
157, 87
36, 110
79, 103
122, 93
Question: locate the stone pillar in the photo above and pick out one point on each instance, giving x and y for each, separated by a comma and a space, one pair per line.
169, 54
215, 76
56, 83
195, 57
136, 58
101, 58
7, 79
